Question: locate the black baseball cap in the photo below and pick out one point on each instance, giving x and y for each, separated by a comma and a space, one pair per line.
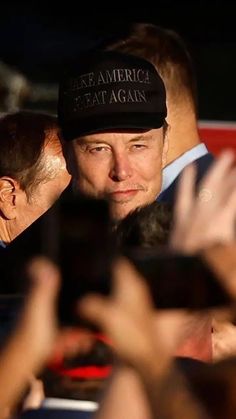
108, 91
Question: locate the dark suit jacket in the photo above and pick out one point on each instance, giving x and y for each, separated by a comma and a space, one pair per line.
203, 164
13, 282
14, 256
33, 241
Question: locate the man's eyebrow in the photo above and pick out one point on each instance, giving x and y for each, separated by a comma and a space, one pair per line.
83, 140
138, 138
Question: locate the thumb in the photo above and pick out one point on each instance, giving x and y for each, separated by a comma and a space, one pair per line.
40, 306
45, 279
96, 309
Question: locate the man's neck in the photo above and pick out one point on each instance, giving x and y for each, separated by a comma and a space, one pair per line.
181, 141
183, 131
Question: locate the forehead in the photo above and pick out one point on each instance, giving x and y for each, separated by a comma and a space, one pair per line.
121, 136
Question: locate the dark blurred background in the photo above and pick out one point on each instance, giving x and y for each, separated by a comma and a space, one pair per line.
36, 38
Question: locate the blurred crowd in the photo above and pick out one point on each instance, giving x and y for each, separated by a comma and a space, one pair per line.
117, 241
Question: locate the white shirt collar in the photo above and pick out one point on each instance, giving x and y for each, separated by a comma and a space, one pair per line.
2, 244
170, 172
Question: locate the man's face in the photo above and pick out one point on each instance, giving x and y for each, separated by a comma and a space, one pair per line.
56, 179
124, 168
20, 208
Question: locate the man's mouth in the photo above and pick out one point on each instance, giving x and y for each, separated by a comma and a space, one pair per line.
121, 195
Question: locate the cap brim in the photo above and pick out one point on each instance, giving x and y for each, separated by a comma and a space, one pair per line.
115, 122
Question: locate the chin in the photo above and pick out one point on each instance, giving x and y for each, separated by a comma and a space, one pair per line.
118, 214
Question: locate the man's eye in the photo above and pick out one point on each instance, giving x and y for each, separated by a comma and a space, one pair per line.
98, 149
139, 146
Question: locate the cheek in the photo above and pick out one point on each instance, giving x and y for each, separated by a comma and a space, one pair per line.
50, 191
92, 172
46, 195
58, 185
60, 182
149, 166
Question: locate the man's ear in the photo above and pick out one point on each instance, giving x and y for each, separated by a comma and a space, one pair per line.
165, 146
8, 192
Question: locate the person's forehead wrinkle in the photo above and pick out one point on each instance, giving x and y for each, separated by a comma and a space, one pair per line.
107, 138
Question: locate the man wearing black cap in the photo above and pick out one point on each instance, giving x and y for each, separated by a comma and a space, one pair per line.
169, 53
112, 109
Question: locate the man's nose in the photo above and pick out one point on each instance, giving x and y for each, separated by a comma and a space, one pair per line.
121, 168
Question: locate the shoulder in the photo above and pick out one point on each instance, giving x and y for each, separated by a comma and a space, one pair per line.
202, 163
